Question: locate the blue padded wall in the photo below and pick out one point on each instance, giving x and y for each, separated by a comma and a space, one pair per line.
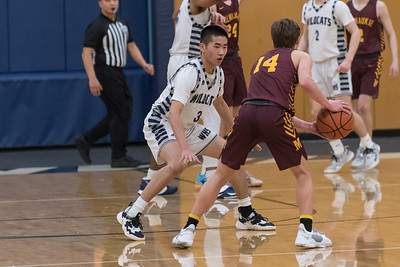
45, 98
3, 36
163, 32
51, 109
135, 12
78, 15
36, 35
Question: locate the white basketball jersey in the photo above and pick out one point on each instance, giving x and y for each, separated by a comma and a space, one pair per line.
326, 32
191, 86
187, 31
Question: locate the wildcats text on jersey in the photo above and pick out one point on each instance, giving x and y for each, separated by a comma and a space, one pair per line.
319, 20
202, 99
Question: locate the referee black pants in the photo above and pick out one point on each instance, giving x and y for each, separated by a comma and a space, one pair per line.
118, 101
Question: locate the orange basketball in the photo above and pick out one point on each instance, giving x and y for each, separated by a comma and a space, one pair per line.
334, 125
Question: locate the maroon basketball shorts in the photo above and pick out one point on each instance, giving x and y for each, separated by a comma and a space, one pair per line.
235, 89
366, 72
261, 123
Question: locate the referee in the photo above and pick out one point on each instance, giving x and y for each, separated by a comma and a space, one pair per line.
107, 39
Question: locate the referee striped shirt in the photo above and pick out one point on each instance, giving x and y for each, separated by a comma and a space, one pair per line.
109, 40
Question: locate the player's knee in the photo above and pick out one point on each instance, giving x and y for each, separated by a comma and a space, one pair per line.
176, 168
363, 108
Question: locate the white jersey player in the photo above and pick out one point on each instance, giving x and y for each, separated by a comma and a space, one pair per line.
325, 25
196, 90
187, 36
324, 28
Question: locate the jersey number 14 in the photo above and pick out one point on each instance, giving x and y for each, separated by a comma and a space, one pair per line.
269, 63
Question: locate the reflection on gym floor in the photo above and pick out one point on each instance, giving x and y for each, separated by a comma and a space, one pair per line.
62, 219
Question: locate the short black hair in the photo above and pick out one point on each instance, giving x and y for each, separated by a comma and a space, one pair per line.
212, 30
285, 33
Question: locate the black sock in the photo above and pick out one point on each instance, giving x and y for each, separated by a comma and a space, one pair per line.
191, 221
245, 211
307, 223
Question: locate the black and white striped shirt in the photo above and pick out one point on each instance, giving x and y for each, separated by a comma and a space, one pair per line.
109, 40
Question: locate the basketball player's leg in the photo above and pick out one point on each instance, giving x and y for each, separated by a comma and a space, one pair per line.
304, 187
366, 86
170, 153
363, 107
340, 87
367, 155
306, 235
238, 180
174, 63
153, 168
359, 125
248, 218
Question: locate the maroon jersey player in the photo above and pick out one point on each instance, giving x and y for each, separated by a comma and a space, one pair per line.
235, 89
372, 18
267, 115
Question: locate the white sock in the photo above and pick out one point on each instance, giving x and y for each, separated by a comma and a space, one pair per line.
337, 147
150, 174
137, 207
244, 202
361, 144
203, 168
366, 141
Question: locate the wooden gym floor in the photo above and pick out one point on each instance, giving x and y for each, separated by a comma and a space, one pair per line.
68, 219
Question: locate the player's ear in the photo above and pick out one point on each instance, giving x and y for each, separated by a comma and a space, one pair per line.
202, 47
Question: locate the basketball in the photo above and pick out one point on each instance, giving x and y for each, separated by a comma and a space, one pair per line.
334, 125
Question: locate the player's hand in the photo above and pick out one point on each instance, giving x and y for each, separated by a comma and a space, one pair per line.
314, 130
149, 68
344, 66
339, 105
95, 87
188, 156
394, 70
218, 19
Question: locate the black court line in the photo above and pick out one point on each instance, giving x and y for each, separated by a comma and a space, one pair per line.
277, 223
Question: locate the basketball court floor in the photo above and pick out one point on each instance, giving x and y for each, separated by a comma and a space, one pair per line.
66, 215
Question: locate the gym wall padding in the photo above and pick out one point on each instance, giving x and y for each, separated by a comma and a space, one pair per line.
3, 34
45, 98
51, 109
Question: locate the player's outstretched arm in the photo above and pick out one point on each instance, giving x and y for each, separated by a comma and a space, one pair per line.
309, 127
353, 45
384, 17
303, 61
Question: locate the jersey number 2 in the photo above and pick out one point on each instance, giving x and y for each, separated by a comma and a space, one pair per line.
269, 63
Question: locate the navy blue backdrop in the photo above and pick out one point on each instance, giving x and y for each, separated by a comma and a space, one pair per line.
44, 93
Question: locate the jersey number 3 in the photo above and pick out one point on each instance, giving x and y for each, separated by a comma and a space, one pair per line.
269, 63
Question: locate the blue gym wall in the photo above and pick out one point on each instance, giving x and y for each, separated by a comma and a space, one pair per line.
44, 93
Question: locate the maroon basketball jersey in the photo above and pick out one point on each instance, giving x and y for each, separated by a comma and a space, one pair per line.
231, 14
372, 36
274, 78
